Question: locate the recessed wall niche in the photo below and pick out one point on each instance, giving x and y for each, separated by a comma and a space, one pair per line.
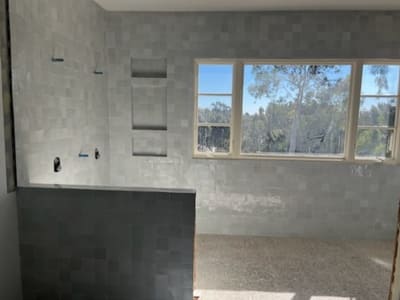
149, 143
149, 106
149, 67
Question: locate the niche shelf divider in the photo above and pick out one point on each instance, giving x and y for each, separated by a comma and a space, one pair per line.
149, 107
149, 68
152, 128
149, 154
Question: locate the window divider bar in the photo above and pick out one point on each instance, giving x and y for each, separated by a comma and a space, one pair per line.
353, 111
378, 127
237, 108
214, 125
379, 96
215, 94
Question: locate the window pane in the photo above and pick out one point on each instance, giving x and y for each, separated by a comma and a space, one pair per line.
213, 139
295, 108
215, 109
215, 79
377, 112
374, 143
380, 80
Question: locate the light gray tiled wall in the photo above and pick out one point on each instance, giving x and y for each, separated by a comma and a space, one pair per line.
289, 198
60, 108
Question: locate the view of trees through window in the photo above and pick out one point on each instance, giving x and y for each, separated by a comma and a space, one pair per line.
378, 103
214, 108
298, 109
295, 108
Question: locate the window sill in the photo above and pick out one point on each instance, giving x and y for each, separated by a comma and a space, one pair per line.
229, 156
376, 161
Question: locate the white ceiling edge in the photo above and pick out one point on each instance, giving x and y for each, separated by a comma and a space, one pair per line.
245, 5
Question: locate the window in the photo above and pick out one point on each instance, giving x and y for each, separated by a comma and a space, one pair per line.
295, 109
377, 115
340, 110
214, 108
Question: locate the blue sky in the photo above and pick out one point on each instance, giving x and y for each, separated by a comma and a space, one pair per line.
215, 79
218, 79
368, 83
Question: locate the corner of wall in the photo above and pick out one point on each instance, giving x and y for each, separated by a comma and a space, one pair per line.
10, 276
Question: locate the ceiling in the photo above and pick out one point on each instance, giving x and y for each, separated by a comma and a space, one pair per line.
246, 5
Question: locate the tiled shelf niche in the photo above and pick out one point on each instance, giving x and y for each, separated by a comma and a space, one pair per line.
149, 107
149, 104
149, 143
149, 68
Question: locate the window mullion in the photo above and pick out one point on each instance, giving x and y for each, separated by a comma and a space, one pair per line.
396, 149
196, 107
354, 107
237, 108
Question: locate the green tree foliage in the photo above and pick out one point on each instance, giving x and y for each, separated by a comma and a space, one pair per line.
217, 113
374, 141
214, 139
305, 111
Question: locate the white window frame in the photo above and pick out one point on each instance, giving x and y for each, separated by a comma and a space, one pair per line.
352, 112
196, 115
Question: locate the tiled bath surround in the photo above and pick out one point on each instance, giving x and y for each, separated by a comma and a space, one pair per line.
99, 244
256, 197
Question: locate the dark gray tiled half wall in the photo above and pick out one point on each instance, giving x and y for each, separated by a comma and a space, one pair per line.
111, 245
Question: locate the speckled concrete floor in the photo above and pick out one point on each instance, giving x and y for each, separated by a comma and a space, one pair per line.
257, 268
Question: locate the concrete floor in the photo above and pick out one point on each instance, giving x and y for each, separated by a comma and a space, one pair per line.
257, 268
